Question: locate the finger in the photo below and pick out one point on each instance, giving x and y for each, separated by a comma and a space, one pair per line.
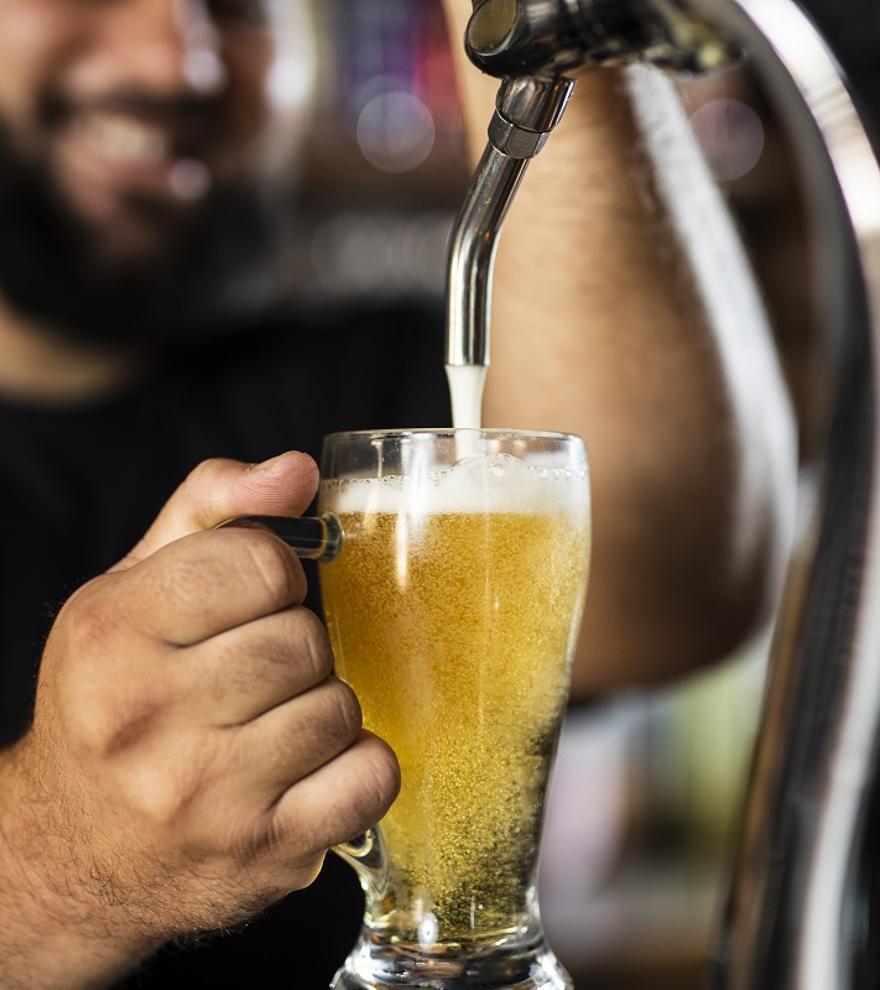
340, 800
218, 490
201, 586
293, 740
244, 672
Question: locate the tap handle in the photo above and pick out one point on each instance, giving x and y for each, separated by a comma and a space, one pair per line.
311, 537
513, 38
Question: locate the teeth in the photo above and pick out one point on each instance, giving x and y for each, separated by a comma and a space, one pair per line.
126, 140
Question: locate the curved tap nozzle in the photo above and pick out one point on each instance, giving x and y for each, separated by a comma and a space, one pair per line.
526, 110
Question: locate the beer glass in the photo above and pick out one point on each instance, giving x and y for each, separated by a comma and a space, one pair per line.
453, 606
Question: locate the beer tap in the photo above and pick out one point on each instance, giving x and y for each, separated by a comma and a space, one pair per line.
537, 48
795, 908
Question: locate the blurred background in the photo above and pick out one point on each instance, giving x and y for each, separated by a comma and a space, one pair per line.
643, 810
387, 167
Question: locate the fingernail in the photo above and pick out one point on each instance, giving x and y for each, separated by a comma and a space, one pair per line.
267, 467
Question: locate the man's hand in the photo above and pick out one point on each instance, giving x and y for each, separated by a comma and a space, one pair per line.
192, 756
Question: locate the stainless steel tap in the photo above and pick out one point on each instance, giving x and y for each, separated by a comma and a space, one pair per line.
794, 917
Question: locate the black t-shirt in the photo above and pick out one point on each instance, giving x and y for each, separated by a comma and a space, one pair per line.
78, 486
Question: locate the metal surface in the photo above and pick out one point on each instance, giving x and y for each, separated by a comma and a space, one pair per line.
472, 256
526, 111
792, 917
513, 38
533, 104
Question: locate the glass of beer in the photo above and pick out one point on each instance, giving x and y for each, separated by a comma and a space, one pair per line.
453, 607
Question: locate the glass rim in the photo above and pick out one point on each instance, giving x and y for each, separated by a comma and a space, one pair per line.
448, 431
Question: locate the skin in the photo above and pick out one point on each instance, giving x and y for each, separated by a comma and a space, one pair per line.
149, 802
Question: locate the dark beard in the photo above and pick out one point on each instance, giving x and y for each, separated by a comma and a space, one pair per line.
219, 269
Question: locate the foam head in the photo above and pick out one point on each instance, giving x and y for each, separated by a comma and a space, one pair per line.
486, 483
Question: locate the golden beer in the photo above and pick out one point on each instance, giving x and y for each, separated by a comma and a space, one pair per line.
453, 612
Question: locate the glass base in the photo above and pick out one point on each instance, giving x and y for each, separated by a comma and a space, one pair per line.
525, 963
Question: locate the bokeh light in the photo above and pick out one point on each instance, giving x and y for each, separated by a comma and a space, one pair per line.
395, 131
731, 135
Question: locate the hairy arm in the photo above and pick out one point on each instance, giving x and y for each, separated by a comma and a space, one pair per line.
55, 927
625, 312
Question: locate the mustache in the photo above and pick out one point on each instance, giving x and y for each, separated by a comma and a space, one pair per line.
189, 113
220, 270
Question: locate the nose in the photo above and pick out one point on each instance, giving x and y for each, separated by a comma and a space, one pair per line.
162, 47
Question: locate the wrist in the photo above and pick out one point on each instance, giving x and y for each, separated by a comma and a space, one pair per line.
58, 929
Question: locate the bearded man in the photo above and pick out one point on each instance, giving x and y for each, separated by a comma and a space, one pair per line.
178, 754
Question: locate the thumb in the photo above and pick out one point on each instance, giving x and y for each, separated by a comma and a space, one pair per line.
220, 489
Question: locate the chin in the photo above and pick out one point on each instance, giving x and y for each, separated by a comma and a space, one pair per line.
125, 227
128, 247
128, 237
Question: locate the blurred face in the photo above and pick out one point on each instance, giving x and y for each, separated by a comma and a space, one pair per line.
128, 121
137, 108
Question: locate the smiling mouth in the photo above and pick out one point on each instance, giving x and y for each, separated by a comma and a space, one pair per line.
127, 153
124, 140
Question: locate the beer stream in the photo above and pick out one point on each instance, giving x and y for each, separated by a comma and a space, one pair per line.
466, 384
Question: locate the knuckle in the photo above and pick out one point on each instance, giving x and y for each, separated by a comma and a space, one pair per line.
307, 871
346, 709
105, 703
115, 724
165, 798
275, 567
156, 796
269, 841
91, 734
378, 780
205, 472
89, 624
315, 644
254, 843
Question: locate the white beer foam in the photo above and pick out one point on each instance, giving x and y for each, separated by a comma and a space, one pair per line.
488, 483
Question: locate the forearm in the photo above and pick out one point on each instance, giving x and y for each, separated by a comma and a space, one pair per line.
53, 931
625, 312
